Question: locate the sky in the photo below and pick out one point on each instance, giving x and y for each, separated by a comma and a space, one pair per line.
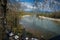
28, 5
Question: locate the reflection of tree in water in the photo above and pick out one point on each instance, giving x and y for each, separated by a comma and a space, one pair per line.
57, 22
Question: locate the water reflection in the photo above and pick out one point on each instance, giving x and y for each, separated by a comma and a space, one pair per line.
41, 26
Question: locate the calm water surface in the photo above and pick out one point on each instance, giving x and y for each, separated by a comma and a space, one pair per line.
40, 26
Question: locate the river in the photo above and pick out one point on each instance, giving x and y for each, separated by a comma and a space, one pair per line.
40, 27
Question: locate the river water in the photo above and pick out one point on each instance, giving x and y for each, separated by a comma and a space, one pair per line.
40, 26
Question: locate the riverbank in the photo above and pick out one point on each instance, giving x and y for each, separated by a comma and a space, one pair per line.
53, 19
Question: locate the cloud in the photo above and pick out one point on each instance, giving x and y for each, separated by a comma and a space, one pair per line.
49, 5
17, 0
27, 6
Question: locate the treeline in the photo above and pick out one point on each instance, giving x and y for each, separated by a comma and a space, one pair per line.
52, 15
56, 14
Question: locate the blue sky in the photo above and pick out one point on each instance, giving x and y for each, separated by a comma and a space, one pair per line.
30, 0
27, 0
28, 5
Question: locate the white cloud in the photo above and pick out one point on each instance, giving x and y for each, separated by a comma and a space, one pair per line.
41, 6
27, 6
44, 7
27, 9
17, 0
